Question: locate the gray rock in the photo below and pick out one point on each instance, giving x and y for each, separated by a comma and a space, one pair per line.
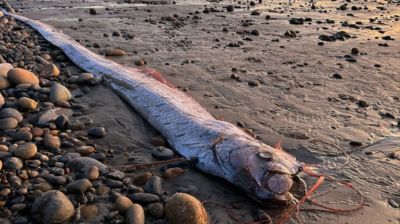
117, 175
144, 198
154, 186
97, 132
52, 207
163, 153
56, 180
83, 164
156, 209
52, 114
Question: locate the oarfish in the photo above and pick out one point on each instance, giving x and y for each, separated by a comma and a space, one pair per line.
215, 147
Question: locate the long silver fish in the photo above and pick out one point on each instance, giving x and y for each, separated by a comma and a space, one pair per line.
217, 147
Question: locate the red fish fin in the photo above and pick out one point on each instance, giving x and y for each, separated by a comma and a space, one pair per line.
157, 76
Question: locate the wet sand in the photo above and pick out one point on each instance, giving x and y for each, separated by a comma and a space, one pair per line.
318, 118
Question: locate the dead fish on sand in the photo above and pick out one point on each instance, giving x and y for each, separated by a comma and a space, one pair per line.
217, 147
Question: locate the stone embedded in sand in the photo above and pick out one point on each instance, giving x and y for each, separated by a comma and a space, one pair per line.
26, 151
8, 123
184, 208
27, 103
4, 68
59, 93
18, 76
11, 113
4, 83
123, 203
85, 150
135, 215
173, 172
49, 70
97, 132
52, 207
114, 52
14, 163
163, 153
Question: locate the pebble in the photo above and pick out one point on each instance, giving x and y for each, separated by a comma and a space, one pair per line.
194, 213
156, 209
4, 68
158, 141
49, 70
59, 93
2, 101
11, 113
51, 142
26, 151
144, 198
79, 186
97, 132
23, 135
52, 207
135, 215
27, 103
18, 76
1, 167
85, 150
4, 83
393, 203
85, 78
114, 52
93, 173
117, 175
163, 153
14, 163
122, 204
173, 172
83, 164
89, 212
253, 83
92, 11
51, 115
142, 179
154, 186
8, 123
363, 103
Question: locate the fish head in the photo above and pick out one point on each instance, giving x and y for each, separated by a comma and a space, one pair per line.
267, 173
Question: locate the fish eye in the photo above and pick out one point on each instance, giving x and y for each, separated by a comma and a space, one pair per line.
265, 155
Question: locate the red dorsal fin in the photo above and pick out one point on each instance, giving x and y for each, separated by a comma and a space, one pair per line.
156, 75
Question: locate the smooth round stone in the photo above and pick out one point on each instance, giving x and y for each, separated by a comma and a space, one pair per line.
26, 151
156, 209
144, 198
1, 165
11, 113
51, 142
53, 114
117, 175
194, 212
89, 212
79, 186
37, 132
59, 93
8, 123
18, 76
173, 172
27, 103
52, 207
85, 150
4, 83
5, 68
23, 135
135, 215
122, 204
3, 148
97, 132
49, 70
163, 153
85, 78
61, 121
142, 179
93, 173
154, 186
114, 52
83, 164
14, 163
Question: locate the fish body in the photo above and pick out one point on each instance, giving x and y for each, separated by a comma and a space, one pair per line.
216, 147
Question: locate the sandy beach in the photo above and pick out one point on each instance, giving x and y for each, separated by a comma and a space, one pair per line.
321, 79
